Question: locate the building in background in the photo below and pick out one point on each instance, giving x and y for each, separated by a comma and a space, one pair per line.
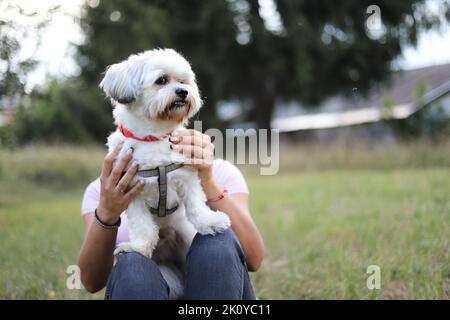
413, 103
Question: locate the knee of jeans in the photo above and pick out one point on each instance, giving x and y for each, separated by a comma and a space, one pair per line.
223, 246
226, 237
134, 271
132, 260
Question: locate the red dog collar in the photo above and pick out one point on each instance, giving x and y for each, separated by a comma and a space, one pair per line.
148, 138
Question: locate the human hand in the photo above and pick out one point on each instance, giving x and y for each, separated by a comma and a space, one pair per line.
115, 194
198, 150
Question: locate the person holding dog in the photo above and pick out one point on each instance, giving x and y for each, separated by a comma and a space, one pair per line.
216, 267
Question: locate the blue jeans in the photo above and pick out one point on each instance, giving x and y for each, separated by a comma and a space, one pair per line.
215, 270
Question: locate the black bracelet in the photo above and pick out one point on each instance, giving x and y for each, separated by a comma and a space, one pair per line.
105, 225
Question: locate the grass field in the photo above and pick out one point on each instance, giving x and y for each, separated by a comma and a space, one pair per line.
325, 218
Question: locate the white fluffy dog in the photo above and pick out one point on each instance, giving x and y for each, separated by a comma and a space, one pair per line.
155, 93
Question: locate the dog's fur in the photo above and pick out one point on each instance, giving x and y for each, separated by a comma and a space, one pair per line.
145, 107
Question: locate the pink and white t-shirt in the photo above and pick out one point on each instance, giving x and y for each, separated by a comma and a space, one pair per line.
228, 175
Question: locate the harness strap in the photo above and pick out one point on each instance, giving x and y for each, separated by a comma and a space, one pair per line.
161, 172
155, 172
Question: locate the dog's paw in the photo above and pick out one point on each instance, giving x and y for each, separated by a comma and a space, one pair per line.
212, 223
133, 247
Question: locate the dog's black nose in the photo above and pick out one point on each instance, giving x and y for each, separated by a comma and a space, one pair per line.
182, 93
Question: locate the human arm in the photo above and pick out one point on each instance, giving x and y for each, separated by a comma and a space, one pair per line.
96, 254
199, 150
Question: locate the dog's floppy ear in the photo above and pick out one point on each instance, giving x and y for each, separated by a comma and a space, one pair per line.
122, 81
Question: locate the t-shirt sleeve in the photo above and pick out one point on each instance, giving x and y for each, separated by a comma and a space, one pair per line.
91, 197
230, 177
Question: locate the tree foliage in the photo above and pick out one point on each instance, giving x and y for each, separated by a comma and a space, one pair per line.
319, 47
300, 50
63, 112
16, 25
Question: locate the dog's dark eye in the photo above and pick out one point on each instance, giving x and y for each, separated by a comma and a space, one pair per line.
161, 80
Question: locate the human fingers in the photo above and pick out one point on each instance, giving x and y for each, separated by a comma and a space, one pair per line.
108, 162
134, 191
119, 167
124, 182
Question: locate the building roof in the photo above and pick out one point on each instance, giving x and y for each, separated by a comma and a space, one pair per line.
405, 93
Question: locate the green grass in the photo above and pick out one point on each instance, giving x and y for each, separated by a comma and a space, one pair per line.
41, 229
323, 224
322, 231
40, 239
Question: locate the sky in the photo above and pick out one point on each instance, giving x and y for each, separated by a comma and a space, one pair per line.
56, 53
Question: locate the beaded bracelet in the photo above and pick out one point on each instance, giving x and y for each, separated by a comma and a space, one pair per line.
104, 225
220, 197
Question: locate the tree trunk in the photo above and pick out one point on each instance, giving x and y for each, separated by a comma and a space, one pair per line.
264, 97
264, 106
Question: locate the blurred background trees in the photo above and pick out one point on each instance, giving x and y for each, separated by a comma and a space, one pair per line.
241, 51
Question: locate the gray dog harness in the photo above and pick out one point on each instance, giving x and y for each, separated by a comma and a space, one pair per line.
160, 172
